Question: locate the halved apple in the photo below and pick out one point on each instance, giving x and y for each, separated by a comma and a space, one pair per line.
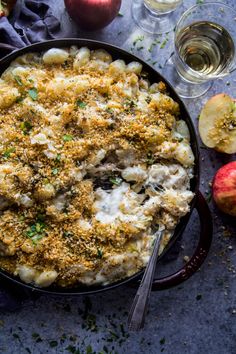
217, 123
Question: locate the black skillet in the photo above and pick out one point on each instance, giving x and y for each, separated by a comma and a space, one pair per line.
198, 203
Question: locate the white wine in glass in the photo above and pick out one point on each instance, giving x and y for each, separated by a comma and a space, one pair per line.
205, 48
162, 6
156, 16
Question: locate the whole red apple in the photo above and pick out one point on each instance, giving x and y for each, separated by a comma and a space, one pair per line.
224, 188
93, 14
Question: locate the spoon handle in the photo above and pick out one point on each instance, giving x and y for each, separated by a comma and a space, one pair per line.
139, 306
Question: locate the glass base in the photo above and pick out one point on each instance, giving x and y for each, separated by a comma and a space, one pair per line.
184, 88
151, 22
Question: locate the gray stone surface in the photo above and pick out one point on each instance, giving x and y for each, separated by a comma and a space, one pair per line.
195, 318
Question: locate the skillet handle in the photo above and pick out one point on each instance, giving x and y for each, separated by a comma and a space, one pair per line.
200, 254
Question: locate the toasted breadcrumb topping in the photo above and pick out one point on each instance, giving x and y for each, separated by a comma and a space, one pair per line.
93, 161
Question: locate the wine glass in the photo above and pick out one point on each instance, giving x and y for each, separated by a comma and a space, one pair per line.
155, 16
205, 41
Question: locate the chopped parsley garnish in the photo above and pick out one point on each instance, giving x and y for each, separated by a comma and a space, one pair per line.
33, 93
109, 110
150, 49
37, 230
72, 349
115, 180
37, 337
162, 341
58, 158
55, 171
100, 254
120, 14
150, 158
164, 43
81, 104
8, 152
67, 137
138, 39
129, 104
53, 343
153, 44
67, 234
18, 80
20, 99
26, 127
89, 350
65, 65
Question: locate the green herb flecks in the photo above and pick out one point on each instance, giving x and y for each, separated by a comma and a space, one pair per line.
209, 197
58, 158
67, 234
153, 44
162, 341
55, 171
72, 349
100, 253
8, 152
20, 99
26, 127
33, 93
89, 350
138, 39
116, 180
109, 110
18, 80
67, 137
128, 104
65, 65
81, 104
120, 14
53, 343
36, 337
37, 230
150, 158
163, 44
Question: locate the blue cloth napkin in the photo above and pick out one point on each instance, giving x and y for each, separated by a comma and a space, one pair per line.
31, 21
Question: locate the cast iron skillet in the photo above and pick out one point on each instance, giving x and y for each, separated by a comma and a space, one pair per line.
197, 203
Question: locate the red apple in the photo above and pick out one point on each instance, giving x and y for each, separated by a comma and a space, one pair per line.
224, 188
93, 14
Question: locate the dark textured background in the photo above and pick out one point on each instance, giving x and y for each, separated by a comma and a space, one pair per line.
197, 317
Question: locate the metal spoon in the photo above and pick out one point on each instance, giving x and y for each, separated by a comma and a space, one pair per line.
139, 306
